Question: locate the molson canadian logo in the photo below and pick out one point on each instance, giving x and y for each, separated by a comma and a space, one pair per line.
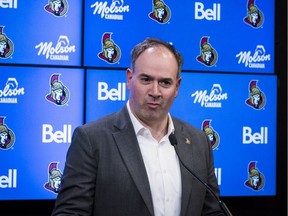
7, 137
114, 11
57, 7
212, 99
254, 60
11, 91
6, 45
56, 52
160, 13
254, 17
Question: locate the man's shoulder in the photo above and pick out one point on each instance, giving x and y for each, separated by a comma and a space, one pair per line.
184, 125
107, 121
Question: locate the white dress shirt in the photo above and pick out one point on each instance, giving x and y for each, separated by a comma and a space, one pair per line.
162, 167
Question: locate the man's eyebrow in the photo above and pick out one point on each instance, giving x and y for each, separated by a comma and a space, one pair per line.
144, 74
149, 76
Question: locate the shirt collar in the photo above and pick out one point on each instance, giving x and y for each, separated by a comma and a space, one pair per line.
138, 127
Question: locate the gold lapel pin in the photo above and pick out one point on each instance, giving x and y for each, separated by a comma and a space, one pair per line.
187, 141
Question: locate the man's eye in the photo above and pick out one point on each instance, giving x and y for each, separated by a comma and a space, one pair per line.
145, 79
165, 83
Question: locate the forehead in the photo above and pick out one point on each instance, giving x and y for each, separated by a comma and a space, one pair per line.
157, 49
157, 61
157, 55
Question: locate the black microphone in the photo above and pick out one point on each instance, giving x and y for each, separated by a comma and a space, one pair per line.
173, 141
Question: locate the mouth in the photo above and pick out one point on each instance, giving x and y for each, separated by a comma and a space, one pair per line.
153, 105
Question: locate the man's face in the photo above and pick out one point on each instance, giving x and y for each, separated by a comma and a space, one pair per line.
153, 84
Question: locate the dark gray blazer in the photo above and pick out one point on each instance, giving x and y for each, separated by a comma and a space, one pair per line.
105, 174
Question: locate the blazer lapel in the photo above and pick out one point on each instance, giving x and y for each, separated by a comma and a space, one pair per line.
185, 153
127, 143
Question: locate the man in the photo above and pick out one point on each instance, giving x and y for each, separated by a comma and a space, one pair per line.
124, 164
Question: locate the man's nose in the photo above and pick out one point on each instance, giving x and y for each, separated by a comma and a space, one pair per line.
155, 89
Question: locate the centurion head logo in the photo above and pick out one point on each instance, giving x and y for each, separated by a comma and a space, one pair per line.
254, 16
110, 51
208, 55
7, 137
256, 98
6, 45
211, 133
57, 7
54, 178
255, 178
59, 93
161, 12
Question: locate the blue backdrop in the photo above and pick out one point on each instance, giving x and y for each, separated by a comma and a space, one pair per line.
63, 65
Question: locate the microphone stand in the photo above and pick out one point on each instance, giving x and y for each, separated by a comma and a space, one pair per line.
224, 208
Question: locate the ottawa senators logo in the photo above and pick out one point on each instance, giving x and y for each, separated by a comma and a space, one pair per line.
211, 133
256, 98
208, 56
7, 137
59, 93
6, 45
57, 7
255, 178
161, 12
254, 16
54, 178
110, 51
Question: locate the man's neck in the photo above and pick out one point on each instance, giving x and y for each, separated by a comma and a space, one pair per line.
157, 130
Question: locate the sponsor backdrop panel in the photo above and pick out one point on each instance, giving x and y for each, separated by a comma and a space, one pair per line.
43, 34
226, 36
40, 106
106, 92
238, 113
36, 109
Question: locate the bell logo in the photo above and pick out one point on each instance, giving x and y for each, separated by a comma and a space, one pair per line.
112, 94
64, 136
257, 137
9, 181
218, 174
208, 14
8, 4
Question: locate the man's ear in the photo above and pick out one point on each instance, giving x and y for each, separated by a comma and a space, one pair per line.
129, 74
178, 85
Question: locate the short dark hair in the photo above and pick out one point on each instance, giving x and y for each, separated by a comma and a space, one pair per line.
154, 42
